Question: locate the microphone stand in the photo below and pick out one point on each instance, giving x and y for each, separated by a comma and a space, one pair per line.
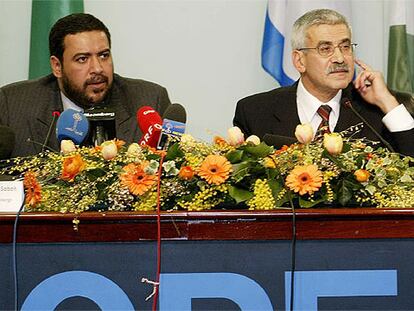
348, 104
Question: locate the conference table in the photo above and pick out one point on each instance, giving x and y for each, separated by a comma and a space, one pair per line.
341, 259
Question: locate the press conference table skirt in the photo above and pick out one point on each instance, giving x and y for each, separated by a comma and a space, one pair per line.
343, 258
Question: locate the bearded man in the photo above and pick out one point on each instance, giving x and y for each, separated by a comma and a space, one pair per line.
82, 78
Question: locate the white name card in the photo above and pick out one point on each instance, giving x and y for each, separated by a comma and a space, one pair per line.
11, 196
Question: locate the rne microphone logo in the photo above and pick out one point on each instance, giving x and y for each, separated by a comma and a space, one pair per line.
147, 112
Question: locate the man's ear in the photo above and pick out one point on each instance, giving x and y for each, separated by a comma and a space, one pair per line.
56, 66
299, 61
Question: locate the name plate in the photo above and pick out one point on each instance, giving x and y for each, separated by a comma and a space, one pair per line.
11, 196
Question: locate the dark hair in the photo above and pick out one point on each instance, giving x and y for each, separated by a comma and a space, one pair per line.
73, 24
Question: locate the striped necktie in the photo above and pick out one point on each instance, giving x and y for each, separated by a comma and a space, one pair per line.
324, 111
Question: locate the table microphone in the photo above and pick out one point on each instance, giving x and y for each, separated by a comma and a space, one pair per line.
101, 123
173, 125
278, 141
346, 102
150, 124
55, 115
72, 125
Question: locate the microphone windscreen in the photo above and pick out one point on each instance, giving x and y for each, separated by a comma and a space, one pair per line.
72, 125
175, 112
7, 141
173, 125
278, 141
146, 117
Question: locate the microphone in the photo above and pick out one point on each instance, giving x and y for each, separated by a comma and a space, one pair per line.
346, 102
150, 124
72, 125
55, 115
173, 125
7, 141
278, 141
102, 124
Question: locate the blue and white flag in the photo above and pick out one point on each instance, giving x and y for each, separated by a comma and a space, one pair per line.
276, 49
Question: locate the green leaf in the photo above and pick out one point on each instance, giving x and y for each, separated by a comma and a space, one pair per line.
345, 191
240, 170
234, 156
346, 148
326, 154
308, 204
275, 186
174, 152
282, 200
94, 174
259, 151
240, 195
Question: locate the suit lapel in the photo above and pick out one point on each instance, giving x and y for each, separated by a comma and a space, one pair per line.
124, 120
285, 112
43, 114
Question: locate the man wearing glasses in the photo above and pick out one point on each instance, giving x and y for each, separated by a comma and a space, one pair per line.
323, 54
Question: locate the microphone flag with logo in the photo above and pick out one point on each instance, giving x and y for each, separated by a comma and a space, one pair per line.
101, 125
173, 126
150, 124
72, 125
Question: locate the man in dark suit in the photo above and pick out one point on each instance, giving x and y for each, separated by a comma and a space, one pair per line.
323, 55
82, 77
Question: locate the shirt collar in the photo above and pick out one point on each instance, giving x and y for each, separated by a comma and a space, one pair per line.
68, 104
311, 104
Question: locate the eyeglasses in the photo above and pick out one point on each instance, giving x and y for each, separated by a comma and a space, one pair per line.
328, 49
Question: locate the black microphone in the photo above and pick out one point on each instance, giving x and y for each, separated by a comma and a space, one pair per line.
7, 141
173, 125
102, 125
55, 115
346, 102
175, 112
278, 141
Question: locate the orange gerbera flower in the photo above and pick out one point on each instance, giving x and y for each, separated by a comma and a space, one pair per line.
304, 179
186, 172
72, 166
215, 169
136, 180
32, 188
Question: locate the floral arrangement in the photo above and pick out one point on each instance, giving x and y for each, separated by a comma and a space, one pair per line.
330, 170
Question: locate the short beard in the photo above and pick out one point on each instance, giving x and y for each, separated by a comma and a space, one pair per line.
78, 96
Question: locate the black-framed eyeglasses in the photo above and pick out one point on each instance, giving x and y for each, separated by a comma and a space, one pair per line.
328, 49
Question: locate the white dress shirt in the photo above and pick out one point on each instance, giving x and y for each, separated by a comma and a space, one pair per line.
308, 105
398, 119
68, 104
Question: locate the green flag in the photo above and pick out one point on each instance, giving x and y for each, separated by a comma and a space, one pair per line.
400, 76
44, 14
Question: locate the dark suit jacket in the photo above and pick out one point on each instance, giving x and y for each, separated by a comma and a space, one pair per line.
275, 112
27, 108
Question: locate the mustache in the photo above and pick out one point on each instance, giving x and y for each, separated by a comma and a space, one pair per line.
338, 68
97, 79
